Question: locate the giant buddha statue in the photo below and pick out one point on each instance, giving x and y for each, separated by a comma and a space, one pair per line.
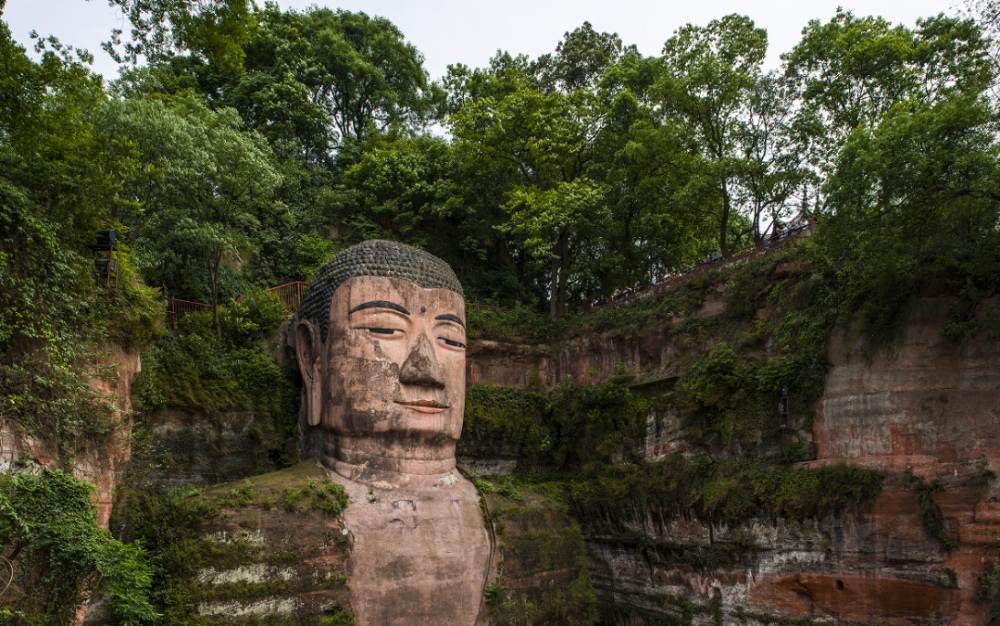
380, 340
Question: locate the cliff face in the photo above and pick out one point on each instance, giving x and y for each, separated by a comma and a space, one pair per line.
922, 404
923, 409
587, 359
95, 462
196, 448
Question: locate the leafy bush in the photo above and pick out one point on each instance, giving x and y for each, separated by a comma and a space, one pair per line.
49, 519
568, 427
253, 318
730, 492
194, 368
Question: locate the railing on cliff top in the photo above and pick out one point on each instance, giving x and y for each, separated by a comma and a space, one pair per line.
290, 294
748, 254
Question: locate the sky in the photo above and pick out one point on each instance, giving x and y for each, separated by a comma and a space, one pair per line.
470, 31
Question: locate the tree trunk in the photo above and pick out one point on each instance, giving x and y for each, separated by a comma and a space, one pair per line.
215, 294
554, 297
724, 219
626, 249
558, 268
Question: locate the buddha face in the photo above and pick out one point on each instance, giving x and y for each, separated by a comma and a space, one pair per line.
389, 383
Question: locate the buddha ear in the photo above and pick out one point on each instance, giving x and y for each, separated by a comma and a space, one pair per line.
308, 349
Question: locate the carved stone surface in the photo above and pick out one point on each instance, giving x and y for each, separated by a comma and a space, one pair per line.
387, 259
381, 346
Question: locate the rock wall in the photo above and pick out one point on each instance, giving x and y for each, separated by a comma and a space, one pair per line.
921, 407
587, 359
200, 449
922, 403
114, 371
871, 564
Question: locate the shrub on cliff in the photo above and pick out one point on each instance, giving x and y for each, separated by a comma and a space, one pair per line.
729, 492
568, 428
60, 556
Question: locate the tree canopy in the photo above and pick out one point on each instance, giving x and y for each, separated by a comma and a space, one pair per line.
256, 142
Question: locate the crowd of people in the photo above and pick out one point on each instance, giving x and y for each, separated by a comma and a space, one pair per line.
781, 231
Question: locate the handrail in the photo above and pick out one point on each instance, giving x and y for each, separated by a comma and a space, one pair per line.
289, 294
746, 254
292, 298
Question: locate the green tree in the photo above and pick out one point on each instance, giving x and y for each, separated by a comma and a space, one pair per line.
707, 78
920, 191
358, 70
645, 169
772, 176
852, 71
204, 187
547, 142
579, 60
63, 555
211, 30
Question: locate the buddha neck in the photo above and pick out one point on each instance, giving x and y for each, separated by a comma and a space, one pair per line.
387, 470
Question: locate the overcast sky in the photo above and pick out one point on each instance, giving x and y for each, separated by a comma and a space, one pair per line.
470, 32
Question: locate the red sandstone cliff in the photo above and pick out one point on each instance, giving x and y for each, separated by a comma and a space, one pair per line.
921, 404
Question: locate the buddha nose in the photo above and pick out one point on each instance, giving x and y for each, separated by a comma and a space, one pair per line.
421, 366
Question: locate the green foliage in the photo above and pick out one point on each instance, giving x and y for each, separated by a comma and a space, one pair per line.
162, 28
568, 427
537, 540
729, 399
512, 326
167, 524
63, 555
508, 491
340, 618
332, 497
853, 70
988, 590
712, 84
173, 526
206, 186
194, 368
929, 513
256, 316
936, 168
494, 595
57, 177
730, 492
572, 604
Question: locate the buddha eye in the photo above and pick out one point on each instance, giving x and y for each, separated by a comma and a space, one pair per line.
384, 331
452, 343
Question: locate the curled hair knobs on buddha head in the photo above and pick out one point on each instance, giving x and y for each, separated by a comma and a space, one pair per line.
375, 257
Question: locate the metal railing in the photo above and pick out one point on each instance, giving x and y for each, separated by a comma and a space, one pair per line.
289, 294
747, 254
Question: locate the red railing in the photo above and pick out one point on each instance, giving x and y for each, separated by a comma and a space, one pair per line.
180, 308
289, 294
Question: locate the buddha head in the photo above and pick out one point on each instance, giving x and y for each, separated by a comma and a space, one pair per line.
380, 340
